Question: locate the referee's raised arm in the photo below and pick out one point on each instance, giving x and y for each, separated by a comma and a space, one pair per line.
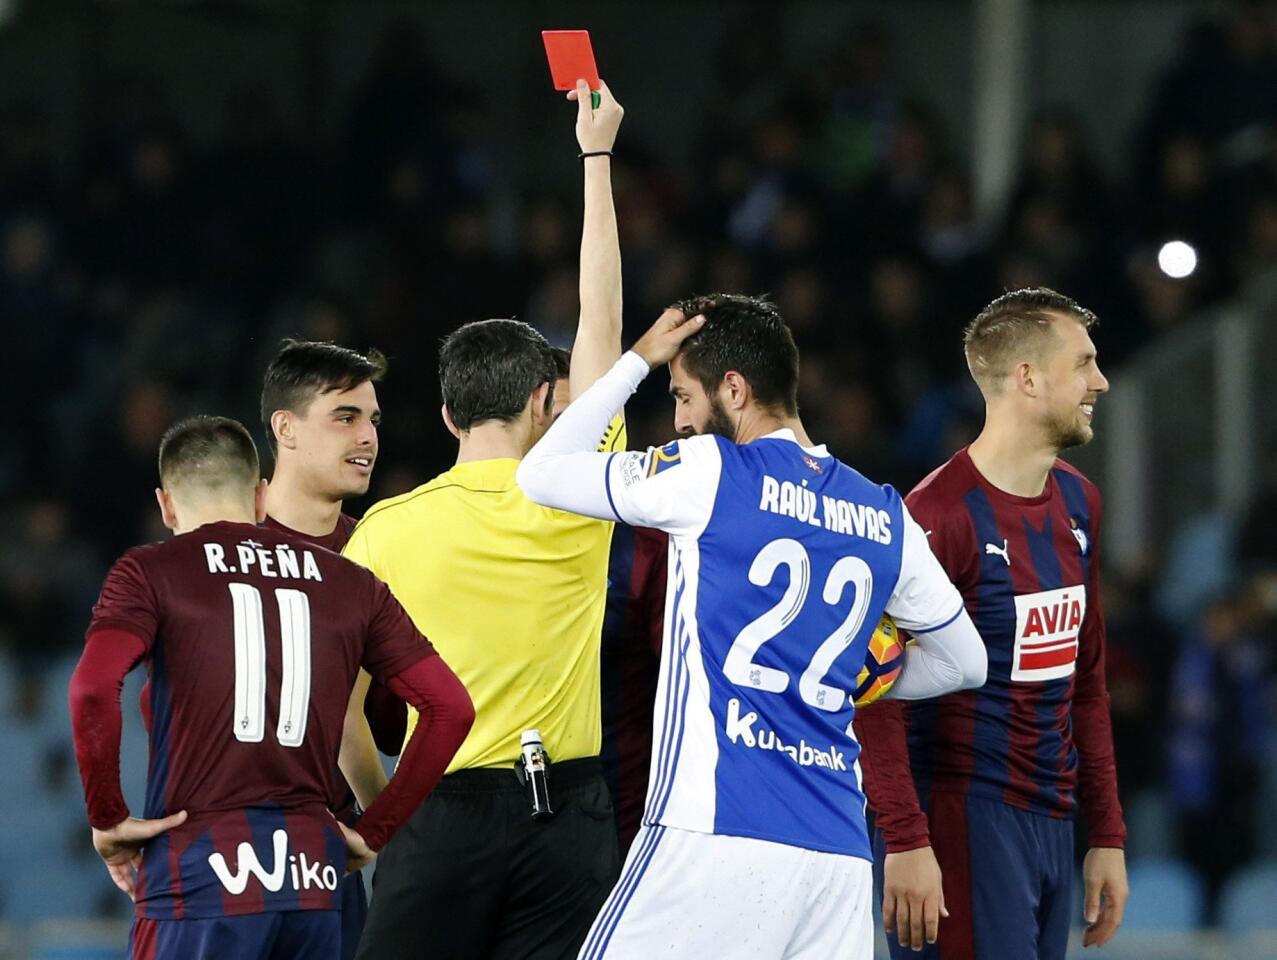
598, 333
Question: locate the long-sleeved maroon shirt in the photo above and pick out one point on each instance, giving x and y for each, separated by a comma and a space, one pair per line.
252, 640
1037, 735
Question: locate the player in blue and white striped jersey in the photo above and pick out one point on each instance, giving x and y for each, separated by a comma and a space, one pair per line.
782, 561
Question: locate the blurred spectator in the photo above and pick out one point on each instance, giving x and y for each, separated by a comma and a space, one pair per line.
1257, 538
1057, 164
861, 87
48, 575
1140, 656
396, 152
1225, 79
122, 499
1220, 722
28, 167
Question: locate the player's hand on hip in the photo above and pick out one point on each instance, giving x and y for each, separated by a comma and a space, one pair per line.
1104, 877
121, 846
912, 897
358, 853
596, 126
662, 342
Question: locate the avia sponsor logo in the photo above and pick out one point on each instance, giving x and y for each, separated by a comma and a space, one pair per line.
1046, 633
304, 873
740, 729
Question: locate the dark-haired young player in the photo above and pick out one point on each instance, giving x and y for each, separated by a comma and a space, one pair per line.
782, 561
319, 408
252, 640
1001, 771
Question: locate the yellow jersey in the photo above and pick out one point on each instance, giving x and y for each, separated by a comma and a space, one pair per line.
512, 596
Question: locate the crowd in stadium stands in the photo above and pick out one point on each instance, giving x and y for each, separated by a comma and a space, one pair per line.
131, 274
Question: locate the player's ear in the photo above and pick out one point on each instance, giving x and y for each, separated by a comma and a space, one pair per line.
447, 421
281, 424
259, 499
1028, 378
167, 513
542, 403
734, 391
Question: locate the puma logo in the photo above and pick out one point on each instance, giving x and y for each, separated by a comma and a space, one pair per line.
992, 549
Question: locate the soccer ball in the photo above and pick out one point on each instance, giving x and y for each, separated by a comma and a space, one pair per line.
883, 660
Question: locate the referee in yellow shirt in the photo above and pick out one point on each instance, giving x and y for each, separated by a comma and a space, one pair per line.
512, 595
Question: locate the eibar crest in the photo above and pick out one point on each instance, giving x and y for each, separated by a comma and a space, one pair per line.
1083, 542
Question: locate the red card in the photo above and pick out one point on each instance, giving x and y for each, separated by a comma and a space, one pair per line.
571, 58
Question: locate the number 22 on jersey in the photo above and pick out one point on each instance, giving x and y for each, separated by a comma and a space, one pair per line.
250, 665
739, 666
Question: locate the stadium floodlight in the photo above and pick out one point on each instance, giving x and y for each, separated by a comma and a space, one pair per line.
1177, 259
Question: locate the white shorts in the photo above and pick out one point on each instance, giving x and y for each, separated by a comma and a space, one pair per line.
709, 897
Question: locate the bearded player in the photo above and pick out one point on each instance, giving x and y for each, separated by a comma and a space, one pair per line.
977, 816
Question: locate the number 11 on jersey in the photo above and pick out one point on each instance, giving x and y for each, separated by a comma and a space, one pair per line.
250, 665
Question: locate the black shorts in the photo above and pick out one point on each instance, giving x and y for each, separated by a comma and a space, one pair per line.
472, 876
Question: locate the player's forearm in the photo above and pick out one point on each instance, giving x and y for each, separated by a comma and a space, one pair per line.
358, 759
598, 335
563, 470
882, 731
446, 715
94, 701
1097, 771
1091, 719
941, 660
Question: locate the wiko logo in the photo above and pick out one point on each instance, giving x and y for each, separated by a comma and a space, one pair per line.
740, 729
304, 872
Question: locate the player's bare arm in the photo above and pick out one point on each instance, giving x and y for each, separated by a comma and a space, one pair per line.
598, 335
359, 760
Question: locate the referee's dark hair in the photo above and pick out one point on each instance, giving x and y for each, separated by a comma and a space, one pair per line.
488, 369
304, 369
215, 453
748, 335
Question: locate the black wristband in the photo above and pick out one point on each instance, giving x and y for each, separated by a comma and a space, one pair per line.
594, 153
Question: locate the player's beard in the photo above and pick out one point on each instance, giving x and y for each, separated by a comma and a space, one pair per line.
1066, 432
718, 422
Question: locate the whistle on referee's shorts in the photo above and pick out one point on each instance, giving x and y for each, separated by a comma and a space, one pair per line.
533, 771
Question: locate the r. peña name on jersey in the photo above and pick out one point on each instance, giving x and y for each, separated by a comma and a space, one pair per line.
833, 513
281, 561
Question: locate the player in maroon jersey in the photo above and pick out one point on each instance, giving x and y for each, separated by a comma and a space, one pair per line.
319, 408
1001, 770
252, 640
